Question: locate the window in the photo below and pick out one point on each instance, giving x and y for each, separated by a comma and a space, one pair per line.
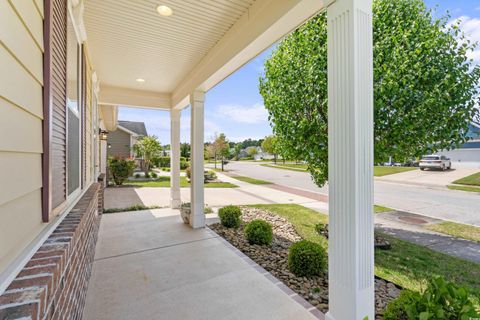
73, 110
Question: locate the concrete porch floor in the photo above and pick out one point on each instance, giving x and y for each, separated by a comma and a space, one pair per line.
149, 265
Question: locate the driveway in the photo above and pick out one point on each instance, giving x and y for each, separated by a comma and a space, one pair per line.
429, 177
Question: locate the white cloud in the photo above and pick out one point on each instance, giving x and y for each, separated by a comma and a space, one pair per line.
471, 27
244, 114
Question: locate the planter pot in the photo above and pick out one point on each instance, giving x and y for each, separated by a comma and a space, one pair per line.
185, 213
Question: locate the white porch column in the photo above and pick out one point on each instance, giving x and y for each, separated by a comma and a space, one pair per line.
175, 200
350, 156
197, 218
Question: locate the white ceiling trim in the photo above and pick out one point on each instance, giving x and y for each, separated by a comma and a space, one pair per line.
133, 98
263, 24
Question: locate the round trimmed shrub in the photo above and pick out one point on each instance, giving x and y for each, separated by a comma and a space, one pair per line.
396, 309
230, 216
259, 232
306, 258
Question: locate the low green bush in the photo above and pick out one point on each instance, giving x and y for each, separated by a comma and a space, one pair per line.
161, 162
230, 216
183, 164
441, 300
306, 258
322, 229
396, 308
153, 175
210, 176
259, 232
120, 169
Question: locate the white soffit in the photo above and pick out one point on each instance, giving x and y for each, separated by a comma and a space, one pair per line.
128, 39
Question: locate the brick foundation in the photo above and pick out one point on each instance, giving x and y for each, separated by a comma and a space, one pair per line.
53, 284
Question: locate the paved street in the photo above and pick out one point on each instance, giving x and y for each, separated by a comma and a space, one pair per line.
433, 201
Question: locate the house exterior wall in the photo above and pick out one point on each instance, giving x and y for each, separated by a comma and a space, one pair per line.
119, 144
53, 284
21, 115
46, 246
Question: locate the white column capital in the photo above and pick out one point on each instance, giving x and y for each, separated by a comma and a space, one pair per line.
197, 96
175, 115
350, 158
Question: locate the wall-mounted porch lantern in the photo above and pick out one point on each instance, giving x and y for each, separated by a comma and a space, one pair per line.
103, 134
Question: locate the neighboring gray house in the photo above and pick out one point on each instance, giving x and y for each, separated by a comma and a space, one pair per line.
468, 154
121, 141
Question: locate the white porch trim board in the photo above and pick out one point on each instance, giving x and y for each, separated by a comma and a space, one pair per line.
175, 200
350, 126
197, 217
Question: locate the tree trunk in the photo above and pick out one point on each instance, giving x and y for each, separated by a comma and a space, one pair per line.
222, 163
215, 160
275, 158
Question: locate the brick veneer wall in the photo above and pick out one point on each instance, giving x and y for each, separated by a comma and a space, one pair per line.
101, 180
53, 284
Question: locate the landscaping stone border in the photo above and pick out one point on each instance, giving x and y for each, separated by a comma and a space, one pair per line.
293, 295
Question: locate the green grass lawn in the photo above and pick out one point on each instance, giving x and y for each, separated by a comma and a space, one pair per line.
303, 219
164, 182
251, 180
291, 166
458, 230
406, 264
472, 180
464, 188
411, 265
381, 209
379, 171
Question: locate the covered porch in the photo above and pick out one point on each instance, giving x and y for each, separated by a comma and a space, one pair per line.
167, 57
149, 265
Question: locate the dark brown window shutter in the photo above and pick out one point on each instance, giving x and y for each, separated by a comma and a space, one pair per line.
55, 124
84, 116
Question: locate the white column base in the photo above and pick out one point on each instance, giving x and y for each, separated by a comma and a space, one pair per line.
175, 203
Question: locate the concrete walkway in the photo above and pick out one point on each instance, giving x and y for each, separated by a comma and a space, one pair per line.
149, 265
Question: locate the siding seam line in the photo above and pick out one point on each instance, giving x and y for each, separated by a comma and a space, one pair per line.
38, 9
21, 63
20, 107
25, 25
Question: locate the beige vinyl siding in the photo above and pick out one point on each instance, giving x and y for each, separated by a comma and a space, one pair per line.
119, 142
21, 77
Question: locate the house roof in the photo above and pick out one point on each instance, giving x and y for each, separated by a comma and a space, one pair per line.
134, 126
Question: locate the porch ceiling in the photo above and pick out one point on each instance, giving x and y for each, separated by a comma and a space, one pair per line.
195, 48
128, 39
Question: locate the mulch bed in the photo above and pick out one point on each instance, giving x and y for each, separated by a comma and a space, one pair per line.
274, 259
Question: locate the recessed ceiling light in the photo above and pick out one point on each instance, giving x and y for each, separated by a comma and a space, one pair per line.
164, 10
140, 80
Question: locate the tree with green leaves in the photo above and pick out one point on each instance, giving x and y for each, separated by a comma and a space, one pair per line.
251, 151
237, 148
185, 150
148, 148
425, 86
269, 145
222, 148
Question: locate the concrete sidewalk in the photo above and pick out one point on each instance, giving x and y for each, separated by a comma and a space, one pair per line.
149, 265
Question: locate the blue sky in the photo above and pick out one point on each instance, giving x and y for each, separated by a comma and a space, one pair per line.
235, 107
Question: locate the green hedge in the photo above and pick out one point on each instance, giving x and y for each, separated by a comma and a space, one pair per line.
230, 216
259, 232
306, 258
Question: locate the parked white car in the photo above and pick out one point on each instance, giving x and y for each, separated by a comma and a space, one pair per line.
435, 161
